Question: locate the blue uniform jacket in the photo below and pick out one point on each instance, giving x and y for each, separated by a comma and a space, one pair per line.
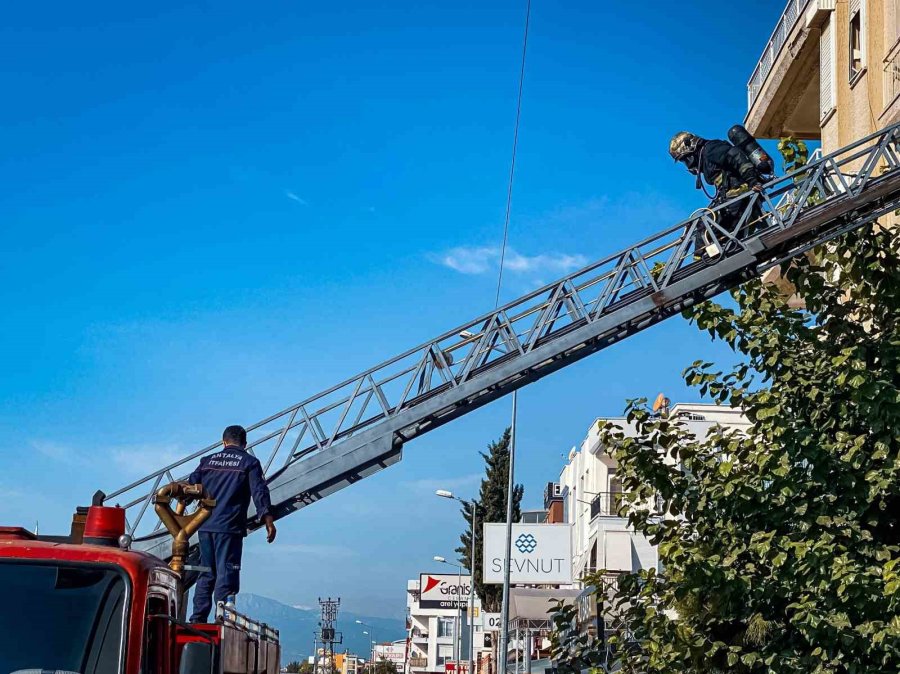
232, 476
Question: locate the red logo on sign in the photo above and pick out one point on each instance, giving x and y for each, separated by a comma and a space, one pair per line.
431, 583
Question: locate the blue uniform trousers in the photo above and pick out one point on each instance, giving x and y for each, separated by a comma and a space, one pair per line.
221, 553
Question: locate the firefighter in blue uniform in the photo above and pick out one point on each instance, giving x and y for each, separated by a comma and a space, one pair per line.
232, 476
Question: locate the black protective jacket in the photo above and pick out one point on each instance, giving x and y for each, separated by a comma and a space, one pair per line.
727, 168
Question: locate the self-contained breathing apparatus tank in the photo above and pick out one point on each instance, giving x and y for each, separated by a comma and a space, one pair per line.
740, 137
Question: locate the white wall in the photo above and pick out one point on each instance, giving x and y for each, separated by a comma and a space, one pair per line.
589, 471
426, 620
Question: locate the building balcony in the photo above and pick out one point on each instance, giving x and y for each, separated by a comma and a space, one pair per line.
605, 504
783, 92
418, 663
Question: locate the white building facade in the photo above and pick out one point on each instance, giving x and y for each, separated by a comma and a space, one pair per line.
590, 482
432, 633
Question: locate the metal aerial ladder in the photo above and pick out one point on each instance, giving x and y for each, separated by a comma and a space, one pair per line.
359, 426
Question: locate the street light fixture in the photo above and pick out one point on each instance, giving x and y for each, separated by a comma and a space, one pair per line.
443, 493
371, 635
458, 628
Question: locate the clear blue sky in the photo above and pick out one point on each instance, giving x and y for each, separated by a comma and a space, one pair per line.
211, 212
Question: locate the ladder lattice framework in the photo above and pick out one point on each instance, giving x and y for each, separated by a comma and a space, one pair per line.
358, 426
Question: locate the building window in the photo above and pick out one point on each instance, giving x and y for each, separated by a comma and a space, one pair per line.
827, 78
857, 46
891, 23
445, 627
614, 483
444, 655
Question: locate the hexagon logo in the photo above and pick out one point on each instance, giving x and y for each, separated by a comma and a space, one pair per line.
526, 543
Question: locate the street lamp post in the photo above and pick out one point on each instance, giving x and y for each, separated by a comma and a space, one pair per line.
457, 628
315, 652
507, 552
443, 493
371, 635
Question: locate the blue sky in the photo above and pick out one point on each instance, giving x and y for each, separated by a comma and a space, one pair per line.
212, 211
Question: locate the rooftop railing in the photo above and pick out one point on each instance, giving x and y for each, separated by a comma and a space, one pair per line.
789, 19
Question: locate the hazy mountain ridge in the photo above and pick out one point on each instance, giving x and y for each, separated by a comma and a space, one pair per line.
297, 625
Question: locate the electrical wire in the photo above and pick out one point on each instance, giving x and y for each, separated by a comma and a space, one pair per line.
511, 489
512, 164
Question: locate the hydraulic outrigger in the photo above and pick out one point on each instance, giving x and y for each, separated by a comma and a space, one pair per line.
359, 426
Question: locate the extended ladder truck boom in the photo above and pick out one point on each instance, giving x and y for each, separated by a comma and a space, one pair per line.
358, 427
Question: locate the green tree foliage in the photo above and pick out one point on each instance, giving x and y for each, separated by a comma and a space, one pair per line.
573, 649
491, 505
292, 666
794, 152
780, 545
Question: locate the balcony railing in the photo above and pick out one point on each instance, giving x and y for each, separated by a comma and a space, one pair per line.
418, 663
609, 581
789, 19
605, 504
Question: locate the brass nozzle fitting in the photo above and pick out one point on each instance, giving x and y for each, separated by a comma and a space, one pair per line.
179, 525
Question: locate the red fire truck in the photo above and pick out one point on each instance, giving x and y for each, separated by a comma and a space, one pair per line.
87, 604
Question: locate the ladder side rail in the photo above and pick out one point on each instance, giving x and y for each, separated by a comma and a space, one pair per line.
633, 262
810, 180
706, 283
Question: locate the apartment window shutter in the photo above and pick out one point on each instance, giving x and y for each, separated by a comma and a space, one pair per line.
857, 38
895, 24
892, 8
826, 74
618, 551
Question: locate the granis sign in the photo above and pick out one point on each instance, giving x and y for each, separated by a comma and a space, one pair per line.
444, 591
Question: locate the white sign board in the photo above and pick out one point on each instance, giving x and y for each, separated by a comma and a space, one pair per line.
491, 622
395, 653
541, 553
438, 590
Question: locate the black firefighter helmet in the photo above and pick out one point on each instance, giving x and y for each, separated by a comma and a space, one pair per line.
683, 145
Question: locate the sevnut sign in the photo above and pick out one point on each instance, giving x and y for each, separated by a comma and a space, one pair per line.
541, 553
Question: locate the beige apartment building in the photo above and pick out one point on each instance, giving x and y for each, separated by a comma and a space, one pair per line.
829, 72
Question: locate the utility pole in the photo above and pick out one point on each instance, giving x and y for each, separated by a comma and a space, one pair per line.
458, 629
473, 505
327, 634
511, 485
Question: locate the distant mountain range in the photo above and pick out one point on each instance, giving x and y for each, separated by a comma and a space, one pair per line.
297, 625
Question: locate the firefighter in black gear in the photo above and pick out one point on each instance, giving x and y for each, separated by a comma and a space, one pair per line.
724, 166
